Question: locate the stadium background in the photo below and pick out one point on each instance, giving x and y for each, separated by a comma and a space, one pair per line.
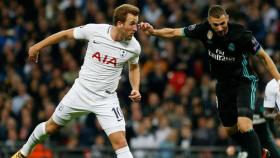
178, 106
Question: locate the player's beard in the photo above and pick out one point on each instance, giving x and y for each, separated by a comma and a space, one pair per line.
221, 33
127, 36
123, 35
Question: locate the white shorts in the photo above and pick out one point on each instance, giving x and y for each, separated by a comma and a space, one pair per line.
78, 102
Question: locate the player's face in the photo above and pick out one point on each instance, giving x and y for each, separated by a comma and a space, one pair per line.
219, 25
129, 26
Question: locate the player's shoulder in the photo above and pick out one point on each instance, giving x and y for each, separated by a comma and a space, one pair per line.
205, 24
272, 83
238, 32
135, 44
199, 26
272, 86
236, 26
98, 27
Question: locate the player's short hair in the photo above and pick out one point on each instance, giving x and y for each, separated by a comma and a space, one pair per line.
216, 11
120, 13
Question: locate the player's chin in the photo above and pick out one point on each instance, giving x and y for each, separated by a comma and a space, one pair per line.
129, 37
221, 33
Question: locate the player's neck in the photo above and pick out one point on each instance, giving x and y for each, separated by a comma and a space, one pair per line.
115, 34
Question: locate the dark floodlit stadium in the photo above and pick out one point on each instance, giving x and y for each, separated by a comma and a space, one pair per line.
139, 79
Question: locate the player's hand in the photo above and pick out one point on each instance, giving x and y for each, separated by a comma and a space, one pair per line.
135, 95
147, 28
33, 53
231, 150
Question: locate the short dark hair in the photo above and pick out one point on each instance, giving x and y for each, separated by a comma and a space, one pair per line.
216, 11
120, 13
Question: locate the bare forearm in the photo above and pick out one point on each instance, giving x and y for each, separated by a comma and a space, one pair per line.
55, 38
271, 68
134, 77
167, 32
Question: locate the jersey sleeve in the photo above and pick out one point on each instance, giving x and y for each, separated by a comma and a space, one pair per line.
137, 50
251, 44
270, 95
83, 32
193, 31
135, 58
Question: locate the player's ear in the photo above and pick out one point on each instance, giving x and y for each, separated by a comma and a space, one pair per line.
227, 16
208, 18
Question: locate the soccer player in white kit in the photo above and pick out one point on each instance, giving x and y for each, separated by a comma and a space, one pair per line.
109, 49
272, 99
271, 104
264, 114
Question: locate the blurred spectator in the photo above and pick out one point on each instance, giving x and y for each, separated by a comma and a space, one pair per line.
178, 92
222, 138
20, 99
203, 135
41, 151
163, 130
168, 145
144, 139
151, 11
98, 147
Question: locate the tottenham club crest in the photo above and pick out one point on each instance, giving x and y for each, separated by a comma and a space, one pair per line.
209, 34
123, 53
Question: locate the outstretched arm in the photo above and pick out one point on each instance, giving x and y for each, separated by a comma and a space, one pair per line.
164, 32
168, 32
33, 51
134, 79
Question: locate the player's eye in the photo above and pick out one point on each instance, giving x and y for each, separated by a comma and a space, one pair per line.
218, 24
132, 23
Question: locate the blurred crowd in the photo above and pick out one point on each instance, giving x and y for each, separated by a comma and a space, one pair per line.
178, 105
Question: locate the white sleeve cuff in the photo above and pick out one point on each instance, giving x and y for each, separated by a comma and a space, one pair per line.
268, 104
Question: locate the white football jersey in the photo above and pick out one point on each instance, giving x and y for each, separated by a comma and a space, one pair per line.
272, 95
104, 59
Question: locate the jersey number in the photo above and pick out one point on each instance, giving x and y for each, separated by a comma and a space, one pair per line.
118, 113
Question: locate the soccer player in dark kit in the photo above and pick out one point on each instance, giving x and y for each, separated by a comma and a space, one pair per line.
229, 47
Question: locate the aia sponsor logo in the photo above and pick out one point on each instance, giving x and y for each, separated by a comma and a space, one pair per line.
105, 59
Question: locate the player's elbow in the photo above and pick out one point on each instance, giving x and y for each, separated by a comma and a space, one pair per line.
67, 34
175, 33
166, 33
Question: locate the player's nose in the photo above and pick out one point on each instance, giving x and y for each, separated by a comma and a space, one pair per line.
135, 28
219, 28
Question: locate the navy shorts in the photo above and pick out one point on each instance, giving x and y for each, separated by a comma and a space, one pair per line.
235, 99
